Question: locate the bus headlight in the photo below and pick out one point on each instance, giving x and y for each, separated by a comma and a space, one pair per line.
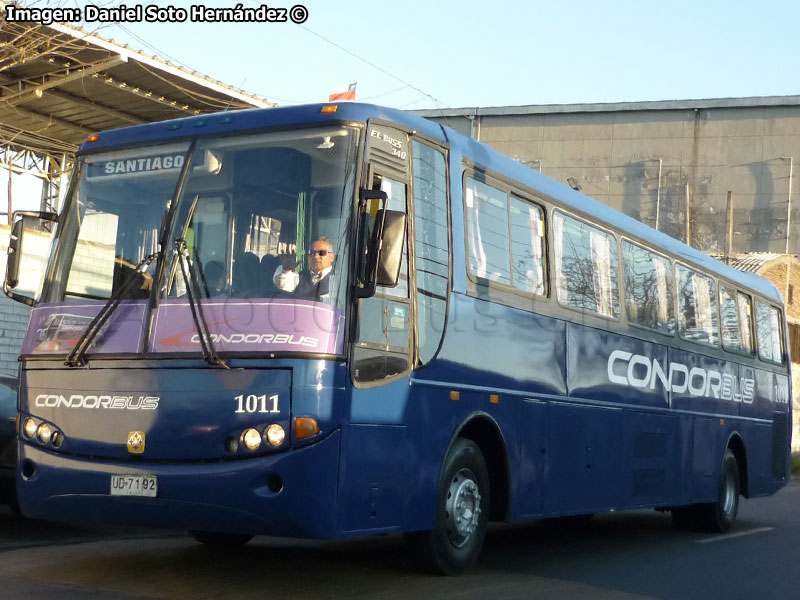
44, 433
275, 434
29, 428
251, 439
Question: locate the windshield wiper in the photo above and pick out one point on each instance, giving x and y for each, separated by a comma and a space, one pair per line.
77, 356
193, 294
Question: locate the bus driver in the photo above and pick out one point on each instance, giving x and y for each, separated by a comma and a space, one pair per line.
314, 283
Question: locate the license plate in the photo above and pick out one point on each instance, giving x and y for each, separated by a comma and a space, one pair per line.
134, 485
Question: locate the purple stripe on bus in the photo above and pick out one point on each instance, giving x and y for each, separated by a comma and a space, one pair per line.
251, 325
55, 327
236, 325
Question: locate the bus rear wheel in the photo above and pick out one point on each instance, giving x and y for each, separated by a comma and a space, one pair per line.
462, 512
220, 539
719, 516
716, 516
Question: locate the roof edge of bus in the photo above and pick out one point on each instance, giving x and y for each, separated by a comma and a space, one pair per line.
254, 119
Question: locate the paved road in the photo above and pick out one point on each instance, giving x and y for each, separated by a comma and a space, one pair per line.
616, 556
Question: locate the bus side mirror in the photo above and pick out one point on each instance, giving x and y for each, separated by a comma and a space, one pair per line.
371, 215
15, 253
391, 247
14, 246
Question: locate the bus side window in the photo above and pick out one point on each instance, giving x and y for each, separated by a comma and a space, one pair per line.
729, 325
649, 295
697, 302
586, 266
527, 247
487, 218
432, 246
769, 325
745, 305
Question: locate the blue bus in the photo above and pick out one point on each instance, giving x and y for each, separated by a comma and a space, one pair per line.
476, 343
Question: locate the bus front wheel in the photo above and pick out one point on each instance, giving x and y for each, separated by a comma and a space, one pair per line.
462, 512
219, 539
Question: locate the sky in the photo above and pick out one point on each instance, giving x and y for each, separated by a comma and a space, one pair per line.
420, 54
423, 54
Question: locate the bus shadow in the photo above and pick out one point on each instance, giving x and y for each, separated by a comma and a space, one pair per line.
609, 556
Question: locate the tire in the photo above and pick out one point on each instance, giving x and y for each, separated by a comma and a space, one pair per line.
462, 512
219, 539
719, 516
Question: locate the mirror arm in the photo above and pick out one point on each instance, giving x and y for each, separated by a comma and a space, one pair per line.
36, 214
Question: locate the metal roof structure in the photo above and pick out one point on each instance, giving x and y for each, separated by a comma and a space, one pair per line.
604, 107
753, 261
59, 84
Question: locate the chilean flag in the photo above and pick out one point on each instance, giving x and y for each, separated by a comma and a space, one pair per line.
343, 93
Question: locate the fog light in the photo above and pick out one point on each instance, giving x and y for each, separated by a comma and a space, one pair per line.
44, 433
251, 439
275, 434
29, 428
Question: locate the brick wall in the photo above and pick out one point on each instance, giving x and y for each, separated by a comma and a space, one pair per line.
777, 271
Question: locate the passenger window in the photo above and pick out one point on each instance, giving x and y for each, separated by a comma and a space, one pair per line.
432, 246
487, 218
698, 307
527, 247
769, 326
729, 313
746, 321
649, 296
586, 266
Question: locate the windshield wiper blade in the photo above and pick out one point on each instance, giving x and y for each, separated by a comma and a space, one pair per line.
77, 356
193, 294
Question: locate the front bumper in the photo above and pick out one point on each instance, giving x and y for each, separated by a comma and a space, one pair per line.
231, 496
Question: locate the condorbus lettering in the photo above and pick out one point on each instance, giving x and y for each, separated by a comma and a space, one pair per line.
639, 371
94, 401
260, 338
684, 371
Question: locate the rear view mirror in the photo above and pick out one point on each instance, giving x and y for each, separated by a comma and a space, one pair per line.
28, 260
391, 247
14, 246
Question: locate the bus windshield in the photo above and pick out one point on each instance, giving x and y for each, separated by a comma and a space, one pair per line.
259, 214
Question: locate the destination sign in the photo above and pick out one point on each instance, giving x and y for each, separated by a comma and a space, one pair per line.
128, 166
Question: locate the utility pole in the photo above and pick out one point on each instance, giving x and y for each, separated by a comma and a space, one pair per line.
729, 229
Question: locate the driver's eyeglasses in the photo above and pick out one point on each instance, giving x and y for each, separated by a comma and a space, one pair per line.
312, 252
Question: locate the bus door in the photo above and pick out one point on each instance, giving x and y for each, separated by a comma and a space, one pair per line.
373, 472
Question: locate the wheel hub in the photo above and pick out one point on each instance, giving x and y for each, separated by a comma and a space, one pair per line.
728, 496
463, 508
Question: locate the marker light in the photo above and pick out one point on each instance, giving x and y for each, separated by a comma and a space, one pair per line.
305, 427
251, 439
330, 109
275, 434
29, 428
92, 138
44, 433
